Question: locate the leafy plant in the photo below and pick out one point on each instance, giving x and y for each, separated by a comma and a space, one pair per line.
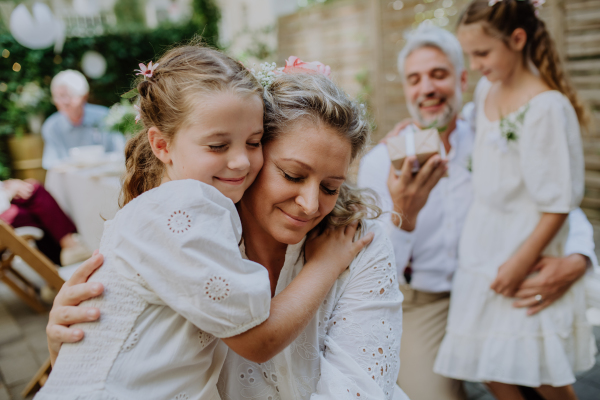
121, 118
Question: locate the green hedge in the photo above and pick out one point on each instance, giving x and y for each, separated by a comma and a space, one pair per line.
123, 51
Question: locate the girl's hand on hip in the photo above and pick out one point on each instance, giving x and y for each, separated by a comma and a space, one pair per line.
65, 311
510, 276
335, 248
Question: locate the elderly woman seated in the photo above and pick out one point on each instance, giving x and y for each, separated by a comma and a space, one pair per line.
27, 203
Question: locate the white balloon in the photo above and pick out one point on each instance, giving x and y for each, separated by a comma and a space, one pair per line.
37, 31
93, 64
86, 8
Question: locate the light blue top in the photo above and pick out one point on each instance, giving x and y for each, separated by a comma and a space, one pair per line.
60, 135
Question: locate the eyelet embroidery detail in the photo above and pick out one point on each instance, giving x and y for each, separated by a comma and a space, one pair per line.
181, 396
205, 338
179, 221
131, 341
217, 288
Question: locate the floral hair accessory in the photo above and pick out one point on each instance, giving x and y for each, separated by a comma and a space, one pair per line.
146, 71
537, 4
294, 64
266, 74
139, 112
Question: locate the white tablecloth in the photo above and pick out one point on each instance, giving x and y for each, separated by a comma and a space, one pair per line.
89, 196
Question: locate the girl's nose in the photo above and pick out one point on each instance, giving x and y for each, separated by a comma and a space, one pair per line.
238, 161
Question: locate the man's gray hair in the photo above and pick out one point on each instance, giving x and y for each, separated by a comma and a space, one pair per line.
73, 80
427, 35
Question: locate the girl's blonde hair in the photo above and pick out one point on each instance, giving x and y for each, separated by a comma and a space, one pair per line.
501, 20
168, 99
314, 98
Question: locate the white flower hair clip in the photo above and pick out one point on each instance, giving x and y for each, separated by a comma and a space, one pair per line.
146, 71
267, 73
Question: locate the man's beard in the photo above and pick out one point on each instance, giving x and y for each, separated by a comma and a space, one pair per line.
443, 118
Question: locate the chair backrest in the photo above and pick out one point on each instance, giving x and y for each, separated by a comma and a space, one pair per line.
33, 257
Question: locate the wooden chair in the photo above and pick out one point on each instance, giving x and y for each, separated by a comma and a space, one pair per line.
15, 242
11, 245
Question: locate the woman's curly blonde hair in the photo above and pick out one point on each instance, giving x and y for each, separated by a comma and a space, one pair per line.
301, 97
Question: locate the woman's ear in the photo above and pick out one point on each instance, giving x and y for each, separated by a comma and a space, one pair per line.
160, 146
518, 39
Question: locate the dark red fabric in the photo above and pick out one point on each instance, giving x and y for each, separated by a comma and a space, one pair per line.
41, 211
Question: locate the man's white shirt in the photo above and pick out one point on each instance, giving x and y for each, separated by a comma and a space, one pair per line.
431, 248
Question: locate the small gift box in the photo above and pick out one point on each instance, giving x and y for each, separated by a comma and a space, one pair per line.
413, 142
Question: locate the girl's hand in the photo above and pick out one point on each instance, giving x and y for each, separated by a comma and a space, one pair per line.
510, 276
335, 247
65, 311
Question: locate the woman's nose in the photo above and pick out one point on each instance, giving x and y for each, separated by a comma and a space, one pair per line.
308, 199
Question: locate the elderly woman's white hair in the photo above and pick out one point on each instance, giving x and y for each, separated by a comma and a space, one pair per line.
73, 80
427, 35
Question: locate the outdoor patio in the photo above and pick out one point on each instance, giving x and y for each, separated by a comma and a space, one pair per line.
23, 350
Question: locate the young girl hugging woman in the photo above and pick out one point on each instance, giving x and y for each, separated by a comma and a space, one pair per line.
528, 174
174, 278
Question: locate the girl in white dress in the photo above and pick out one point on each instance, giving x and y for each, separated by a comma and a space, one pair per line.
174, 277
527, 175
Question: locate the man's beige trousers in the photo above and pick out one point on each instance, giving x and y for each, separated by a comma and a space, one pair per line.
423, 327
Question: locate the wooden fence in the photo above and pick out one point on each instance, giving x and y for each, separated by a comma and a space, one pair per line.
361, 39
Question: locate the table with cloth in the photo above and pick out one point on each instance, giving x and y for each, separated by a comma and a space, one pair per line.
88, 194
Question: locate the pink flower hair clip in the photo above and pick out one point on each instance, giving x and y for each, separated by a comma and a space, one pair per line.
537, 4
267, 72
294, 64
146, 71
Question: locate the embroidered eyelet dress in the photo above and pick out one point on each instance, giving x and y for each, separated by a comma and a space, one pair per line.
350, 348
174, 281
540, 170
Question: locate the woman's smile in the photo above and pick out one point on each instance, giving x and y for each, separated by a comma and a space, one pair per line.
297, 221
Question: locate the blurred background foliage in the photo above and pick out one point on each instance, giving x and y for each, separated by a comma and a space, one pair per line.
126, 45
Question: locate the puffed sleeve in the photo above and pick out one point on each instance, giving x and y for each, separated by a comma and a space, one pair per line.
362, 343
182, 240
551, 157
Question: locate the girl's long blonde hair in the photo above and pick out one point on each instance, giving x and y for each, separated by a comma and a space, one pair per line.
501, 20
185, 75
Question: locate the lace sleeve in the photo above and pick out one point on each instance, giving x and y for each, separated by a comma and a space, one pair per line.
362, 343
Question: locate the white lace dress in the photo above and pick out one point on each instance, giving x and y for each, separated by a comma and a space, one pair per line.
533, 166
174, 281
350, 348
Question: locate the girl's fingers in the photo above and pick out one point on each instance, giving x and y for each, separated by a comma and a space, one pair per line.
85, 270
363, 242
350, 230
74, 295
